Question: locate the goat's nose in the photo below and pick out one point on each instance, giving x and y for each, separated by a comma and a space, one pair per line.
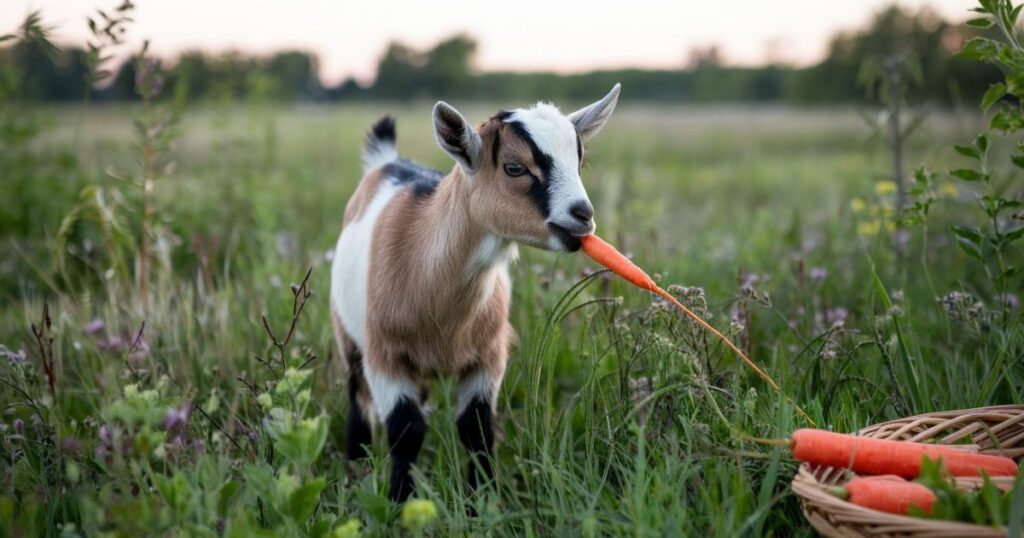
582, 210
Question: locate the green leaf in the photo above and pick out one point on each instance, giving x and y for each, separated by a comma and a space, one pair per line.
377, 506
1015, 14
971, 234
967, 174
1018, 160
303, 501
969, 248
968, 151
227, 492
1010, 272
1013, 236
982, 22
981, 143
995, 93
980, 48
7, 37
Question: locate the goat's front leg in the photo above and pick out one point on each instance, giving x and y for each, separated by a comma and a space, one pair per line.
395, 397
478, 391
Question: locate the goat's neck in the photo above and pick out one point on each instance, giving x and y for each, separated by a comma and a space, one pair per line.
462, 251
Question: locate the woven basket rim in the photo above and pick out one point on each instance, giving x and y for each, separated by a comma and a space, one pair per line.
832, 516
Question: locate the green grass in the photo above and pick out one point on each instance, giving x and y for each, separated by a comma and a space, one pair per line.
619, 418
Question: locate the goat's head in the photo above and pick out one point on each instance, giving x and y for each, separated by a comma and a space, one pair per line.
523, 169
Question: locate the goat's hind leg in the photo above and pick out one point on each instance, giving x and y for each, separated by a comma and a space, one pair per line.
359, 433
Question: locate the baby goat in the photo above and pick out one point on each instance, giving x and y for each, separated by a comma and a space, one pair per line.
420, 283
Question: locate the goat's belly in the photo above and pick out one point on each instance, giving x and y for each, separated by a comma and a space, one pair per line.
350, 270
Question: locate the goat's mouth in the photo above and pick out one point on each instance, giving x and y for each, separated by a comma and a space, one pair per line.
570, 240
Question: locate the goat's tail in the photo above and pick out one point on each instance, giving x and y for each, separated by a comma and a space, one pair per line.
379, 148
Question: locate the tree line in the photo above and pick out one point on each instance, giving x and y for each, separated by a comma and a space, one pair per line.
922, 38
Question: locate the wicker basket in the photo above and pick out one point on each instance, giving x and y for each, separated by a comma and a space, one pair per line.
987, 427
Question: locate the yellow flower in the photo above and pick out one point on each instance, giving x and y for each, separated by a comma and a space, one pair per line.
883, 188
349, 530
857, 205
869, 228
418, 513
949, 189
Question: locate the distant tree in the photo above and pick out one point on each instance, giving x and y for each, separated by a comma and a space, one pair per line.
399, 73
894, 32
449, 64
295, 75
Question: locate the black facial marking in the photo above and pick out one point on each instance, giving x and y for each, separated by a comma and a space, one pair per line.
358, 429
502, 115
423, 180
579, 148
539, 189
406, 429
495, 146
476, 431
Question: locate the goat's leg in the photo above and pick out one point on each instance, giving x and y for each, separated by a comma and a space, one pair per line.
358, 432
360, 411
478, 391
395, 399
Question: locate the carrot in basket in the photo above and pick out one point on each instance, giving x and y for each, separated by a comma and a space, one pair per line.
608, 256
865, 455
886, 495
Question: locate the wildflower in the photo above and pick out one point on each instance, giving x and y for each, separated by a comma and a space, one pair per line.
949, 190
883, 188
177, 418
1010, 301
19, 426
418, 513
869, 228
350, 529
94, 327
13, 357
857, 205
265, 401
818, 275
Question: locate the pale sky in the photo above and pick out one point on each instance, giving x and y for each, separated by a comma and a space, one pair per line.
350, 36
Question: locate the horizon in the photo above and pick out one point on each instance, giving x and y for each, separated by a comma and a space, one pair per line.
349, 38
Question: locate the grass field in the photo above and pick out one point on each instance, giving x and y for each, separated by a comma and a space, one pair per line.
619, 418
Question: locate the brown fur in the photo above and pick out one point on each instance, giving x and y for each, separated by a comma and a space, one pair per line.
428, 311
363, 195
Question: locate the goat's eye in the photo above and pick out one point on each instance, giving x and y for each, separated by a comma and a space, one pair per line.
515, 169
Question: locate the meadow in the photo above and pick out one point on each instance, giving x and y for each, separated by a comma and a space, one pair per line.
166, 408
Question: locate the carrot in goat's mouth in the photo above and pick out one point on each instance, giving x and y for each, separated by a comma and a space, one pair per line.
608, 256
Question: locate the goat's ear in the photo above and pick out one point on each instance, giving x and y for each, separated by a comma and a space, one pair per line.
590, 119
456, 137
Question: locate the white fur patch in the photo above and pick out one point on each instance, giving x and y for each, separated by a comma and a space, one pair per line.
491, 252
386, 392
555, 135
351, 266
478, 384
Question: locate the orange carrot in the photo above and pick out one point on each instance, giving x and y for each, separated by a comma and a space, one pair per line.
903, 458
608, 256
892, 496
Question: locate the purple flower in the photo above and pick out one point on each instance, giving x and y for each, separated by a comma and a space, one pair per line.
818, 274
104, 434
13, 357
19, 426
1008, 299
177, 418
95, 327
